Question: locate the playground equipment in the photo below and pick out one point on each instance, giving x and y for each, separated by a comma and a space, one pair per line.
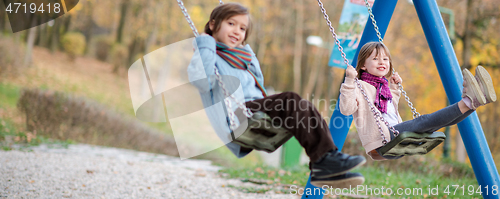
449, 70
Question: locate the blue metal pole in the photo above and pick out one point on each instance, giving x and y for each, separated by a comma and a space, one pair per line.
451, 76
339, 124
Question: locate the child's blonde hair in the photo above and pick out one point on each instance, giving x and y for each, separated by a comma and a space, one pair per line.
226, 11
366, 51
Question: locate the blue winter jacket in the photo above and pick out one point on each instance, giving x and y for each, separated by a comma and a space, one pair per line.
239, 82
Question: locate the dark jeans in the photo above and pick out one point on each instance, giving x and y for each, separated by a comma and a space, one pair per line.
447, 116
299, 117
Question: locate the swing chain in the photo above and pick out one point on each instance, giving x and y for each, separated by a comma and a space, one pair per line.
372, 108
374, 22
188, 18
400, 86
413, 109
332, 30
376, 115
230, 111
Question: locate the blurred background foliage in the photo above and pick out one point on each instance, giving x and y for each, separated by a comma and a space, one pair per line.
106, 37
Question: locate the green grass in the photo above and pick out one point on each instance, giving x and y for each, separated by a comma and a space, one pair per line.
10, 135
417, 183
7, 128
9, 94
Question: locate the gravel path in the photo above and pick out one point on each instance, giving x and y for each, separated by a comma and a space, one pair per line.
85, 171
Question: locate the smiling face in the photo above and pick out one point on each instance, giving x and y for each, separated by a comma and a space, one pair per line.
232, 31
374, 58
378, 63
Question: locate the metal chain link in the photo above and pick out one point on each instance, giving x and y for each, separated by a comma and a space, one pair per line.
376, 114
227, 102
400, 86
372, 108
240, 104
374, 22
413, 109
188, 18
332, 30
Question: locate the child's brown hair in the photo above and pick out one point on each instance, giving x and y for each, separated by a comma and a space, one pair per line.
226, 11
367, 50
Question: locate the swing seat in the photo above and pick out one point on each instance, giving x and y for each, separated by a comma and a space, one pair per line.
411, 143
261, 134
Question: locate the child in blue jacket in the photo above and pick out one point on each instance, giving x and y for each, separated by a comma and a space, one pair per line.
222, 46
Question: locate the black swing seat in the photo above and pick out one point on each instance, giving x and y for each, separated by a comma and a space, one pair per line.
411, 143
261, 134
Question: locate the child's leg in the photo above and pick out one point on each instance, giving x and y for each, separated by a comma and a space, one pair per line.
477, 91
461, 118
432, 122
299, 117
303, 120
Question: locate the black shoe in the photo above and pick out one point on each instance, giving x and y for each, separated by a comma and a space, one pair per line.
335, 163
346, 180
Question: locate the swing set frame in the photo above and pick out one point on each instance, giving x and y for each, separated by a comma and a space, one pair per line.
449, 69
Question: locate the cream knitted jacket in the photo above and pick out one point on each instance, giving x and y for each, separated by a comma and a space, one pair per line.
352, 102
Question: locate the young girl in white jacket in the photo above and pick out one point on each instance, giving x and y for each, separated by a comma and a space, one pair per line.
374, 72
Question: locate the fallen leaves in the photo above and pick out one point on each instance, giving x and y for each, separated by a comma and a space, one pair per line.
259, 170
